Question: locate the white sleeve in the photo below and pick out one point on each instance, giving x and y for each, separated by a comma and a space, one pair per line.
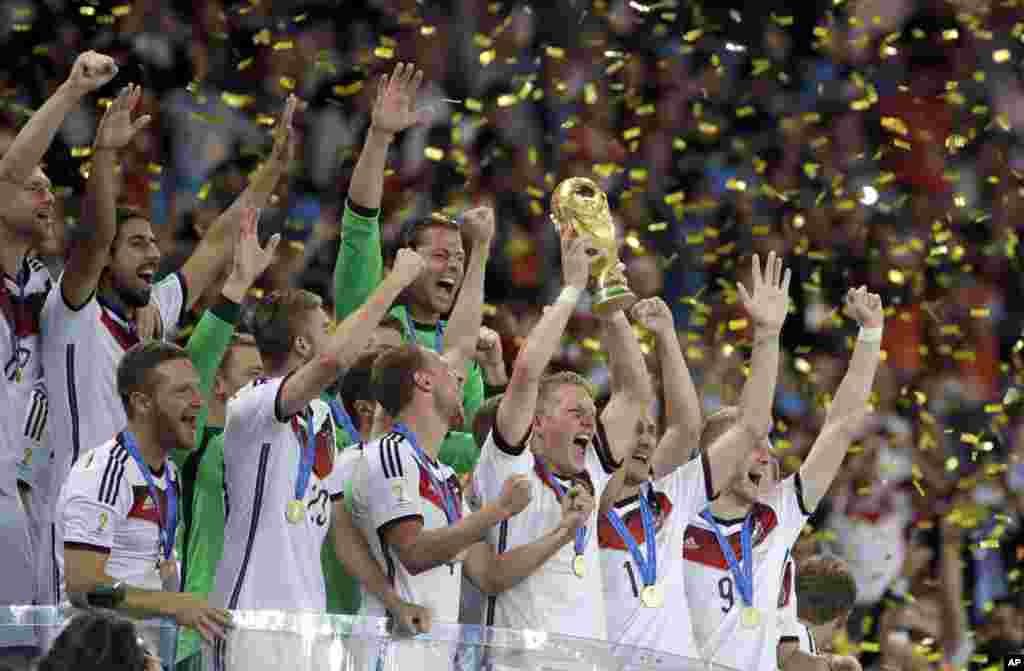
98, 500
252, 413
689, 486
792, 630
170, 295
57, 316
392, 485
344, 470
788, 499
498, 462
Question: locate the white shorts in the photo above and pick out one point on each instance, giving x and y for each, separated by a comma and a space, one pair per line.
18, 578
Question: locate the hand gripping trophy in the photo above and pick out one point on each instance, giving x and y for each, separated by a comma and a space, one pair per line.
579, 204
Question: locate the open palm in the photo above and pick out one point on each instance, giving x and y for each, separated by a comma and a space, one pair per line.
768, 303
394, 109
116, 128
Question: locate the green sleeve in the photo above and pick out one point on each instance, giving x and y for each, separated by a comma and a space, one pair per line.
472, 393
360, 265
206, 347
459, 450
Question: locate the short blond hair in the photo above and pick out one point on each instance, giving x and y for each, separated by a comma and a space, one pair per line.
549, 384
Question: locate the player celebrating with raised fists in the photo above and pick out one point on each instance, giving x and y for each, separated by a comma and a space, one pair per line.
651, 500
571, 452
735, 551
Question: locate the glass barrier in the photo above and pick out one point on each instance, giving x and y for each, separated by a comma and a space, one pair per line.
292, 641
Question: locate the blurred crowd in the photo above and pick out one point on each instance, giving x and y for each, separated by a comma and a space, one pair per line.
874, 143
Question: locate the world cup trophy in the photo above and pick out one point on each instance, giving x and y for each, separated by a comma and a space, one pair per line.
578, 203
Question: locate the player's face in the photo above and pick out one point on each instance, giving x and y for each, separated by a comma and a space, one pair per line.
638, 467
133, 262
568, 427
177, 402
317, 331
243, 366
772, 477
447, 389
28, 207
753, 471
435, 289
824, 633
384, 338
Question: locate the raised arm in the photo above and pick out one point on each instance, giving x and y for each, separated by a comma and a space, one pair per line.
515, 414
821, 466
683, 417
215, 249
631, 391
91, 249
463, 330
90, 72
359, 266
206, 346
349, 339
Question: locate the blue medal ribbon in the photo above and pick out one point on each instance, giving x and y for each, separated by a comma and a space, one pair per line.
451, 509
743, 576
580, 544
648, 565
410, 332
341, 416
306, 458
168, 523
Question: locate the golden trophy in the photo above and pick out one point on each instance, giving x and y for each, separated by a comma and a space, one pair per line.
580, 204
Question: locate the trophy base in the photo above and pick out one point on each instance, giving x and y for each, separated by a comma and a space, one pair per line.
613, 299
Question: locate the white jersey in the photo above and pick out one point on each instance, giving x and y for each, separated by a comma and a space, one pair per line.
787, 593
389, 486
106, 506
268, 562
792, 630
552, 598
714, 598
675, 499
81, 350
21, 307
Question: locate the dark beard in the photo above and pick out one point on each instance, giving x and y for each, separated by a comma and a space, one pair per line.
132, 298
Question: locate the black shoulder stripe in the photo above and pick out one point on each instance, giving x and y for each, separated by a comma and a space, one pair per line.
396, 443
112, 476
384, 462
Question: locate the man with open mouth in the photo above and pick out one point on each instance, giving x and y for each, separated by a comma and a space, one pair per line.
659, 491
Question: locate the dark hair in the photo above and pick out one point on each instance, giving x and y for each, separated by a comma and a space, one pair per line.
275, 321
484, 419
412, 231
134, 372
825, 589
357, 383
393, 380
96, 641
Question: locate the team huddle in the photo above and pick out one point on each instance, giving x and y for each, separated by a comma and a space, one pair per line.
378, 459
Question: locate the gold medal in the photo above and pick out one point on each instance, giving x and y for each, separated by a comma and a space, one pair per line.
750, 617
653, 596
578, 566
296, 511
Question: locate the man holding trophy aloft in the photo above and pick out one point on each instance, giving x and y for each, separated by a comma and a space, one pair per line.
573, 451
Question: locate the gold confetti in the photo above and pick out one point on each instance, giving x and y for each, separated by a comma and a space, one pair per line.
555, 52
236, 101
81, 152
427, 31
1001, 56
121, 10
895, 125
86, 10
507, 100
344, 90
384, 53
243, 64
737, 324
433, 153
204, 191
287, 83
262, 37
487, 57
284, 45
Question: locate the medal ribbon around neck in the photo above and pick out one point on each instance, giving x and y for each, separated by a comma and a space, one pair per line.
168, 524
743, 576
342, 417
582, 532
306, 458
410, 332
648, 565
451, 509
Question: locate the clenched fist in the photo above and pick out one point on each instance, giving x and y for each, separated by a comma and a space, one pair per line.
515, 495
90, 72
865, 308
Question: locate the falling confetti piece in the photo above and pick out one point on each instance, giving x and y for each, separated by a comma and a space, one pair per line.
344, 90
384, 53
121, 10
1001, 56
433, 153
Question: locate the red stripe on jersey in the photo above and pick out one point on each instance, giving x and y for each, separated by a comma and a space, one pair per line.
787, 585
701, 546
143, 507
428, 492
323, 456
23, 315
125, 338
608, 537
